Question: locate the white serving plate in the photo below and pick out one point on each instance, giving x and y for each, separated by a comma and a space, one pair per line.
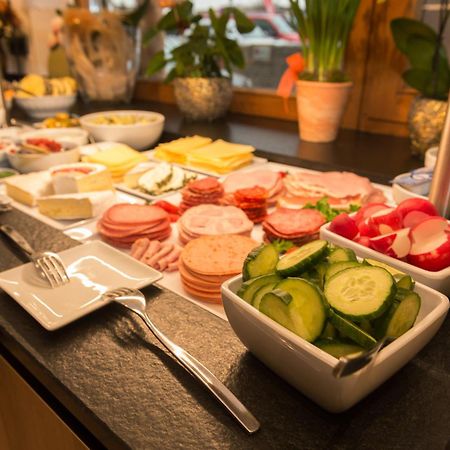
44, 106
93, 268
437, 280
138, 193
308, 368
255, 162
121, 197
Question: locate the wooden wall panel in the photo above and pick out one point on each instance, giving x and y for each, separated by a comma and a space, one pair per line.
386, 97
26, 421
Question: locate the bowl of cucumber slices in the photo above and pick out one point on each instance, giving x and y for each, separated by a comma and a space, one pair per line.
301, 311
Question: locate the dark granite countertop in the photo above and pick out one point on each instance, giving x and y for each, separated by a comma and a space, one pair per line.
109, 378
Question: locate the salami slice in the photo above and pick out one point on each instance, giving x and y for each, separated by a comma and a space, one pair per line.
131, 214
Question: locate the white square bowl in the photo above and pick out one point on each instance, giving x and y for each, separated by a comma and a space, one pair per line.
439, 280
308, 368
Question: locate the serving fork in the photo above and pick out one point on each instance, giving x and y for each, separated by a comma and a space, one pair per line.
48, 264
134, 300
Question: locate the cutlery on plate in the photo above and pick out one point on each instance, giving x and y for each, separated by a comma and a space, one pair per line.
134, 300
350, 364
48, 264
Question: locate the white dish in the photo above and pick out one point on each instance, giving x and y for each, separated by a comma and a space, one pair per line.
138, 193
26, 163
437, 280
139, 135
308, 368
400, 193
255, 162
121, 197
45, 106
75, 136
93, 268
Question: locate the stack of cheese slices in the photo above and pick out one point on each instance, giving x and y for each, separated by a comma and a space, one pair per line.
119, 159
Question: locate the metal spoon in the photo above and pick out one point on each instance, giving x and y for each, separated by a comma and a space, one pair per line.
134, 300
350, 364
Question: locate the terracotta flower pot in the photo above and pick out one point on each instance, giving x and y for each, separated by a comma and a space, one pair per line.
320, 108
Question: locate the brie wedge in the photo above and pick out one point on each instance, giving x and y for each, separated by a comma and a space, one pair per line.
28, 187
76, 206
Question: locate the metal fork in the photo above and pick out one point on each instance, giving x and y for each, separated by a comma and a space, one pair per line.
48, 264
134, 300
350, 364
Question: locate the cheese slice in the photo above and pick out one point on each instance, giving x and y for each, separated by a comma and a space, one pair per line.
80, 177
76, 206
28, 187
131, 178
176, 151
221, 149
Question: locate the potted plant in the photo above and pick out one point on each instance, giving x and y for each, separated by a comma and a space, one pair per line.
323, 88
429, 74
201, 67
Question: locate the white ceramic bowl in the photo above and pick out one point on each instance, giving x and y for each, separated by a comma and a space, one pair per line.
308, 368
74, 136
34, 163
399, 193
437, 280
6, 135
140, 136
45, 106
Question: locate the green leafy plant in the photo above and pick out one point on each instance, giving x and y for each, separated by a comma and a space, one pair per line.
207, 52
429, 70
324, 27
328, 211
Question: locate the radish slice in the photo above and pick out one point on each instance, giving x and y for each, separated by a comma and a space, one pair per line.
344, 225
386, 221
368, 229
395, 244
413, 218
428, 235
367, 210
417, 204
435, 260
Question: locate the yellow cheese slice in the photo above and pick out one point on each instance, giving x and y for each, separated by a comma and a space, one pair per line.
116, 156
220, 149
184, 145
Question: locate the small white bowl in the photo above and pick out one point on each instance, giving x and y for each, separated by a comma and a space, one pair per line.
34, 163
308, 368
45, 106
399, 193
140, 135
439, 280
75, 136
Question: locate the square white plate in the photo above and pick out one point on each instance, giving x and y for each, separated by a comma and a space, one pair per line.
93, 268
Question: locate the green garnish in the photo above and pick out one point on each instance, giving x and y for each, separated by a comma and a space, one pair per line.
329, 212
282, 246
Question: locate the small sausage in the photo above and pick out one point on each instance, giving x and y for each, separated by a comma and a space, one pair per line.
164, 250
153, 248
139, 247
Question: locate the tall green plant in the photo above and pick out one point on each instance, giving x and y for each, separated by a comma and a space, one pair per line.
324, 27
208, 51
429, 70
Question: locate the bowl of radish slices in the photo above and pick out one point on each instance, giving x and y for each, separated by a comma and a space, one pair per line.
411, 237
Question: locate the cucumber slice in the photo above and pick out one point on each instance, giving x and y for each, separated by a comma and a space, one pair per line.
399, 318
302, 259
341, 254
338, 266
367, 326
359, 293
259, 294
321, 271
329, 331
352, 331
338, 348
404, 281
304, 314
260, 261
393, 271
249, 288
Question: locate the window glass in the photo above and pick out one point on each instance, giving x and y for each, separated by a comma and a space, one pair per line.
265, 48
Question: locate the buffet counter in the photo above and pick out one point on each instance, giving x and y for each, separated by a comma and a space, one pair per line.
111, 385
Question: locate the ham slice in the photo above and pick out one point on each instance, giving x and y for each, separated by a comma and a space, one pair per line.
339, 185
264, 178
